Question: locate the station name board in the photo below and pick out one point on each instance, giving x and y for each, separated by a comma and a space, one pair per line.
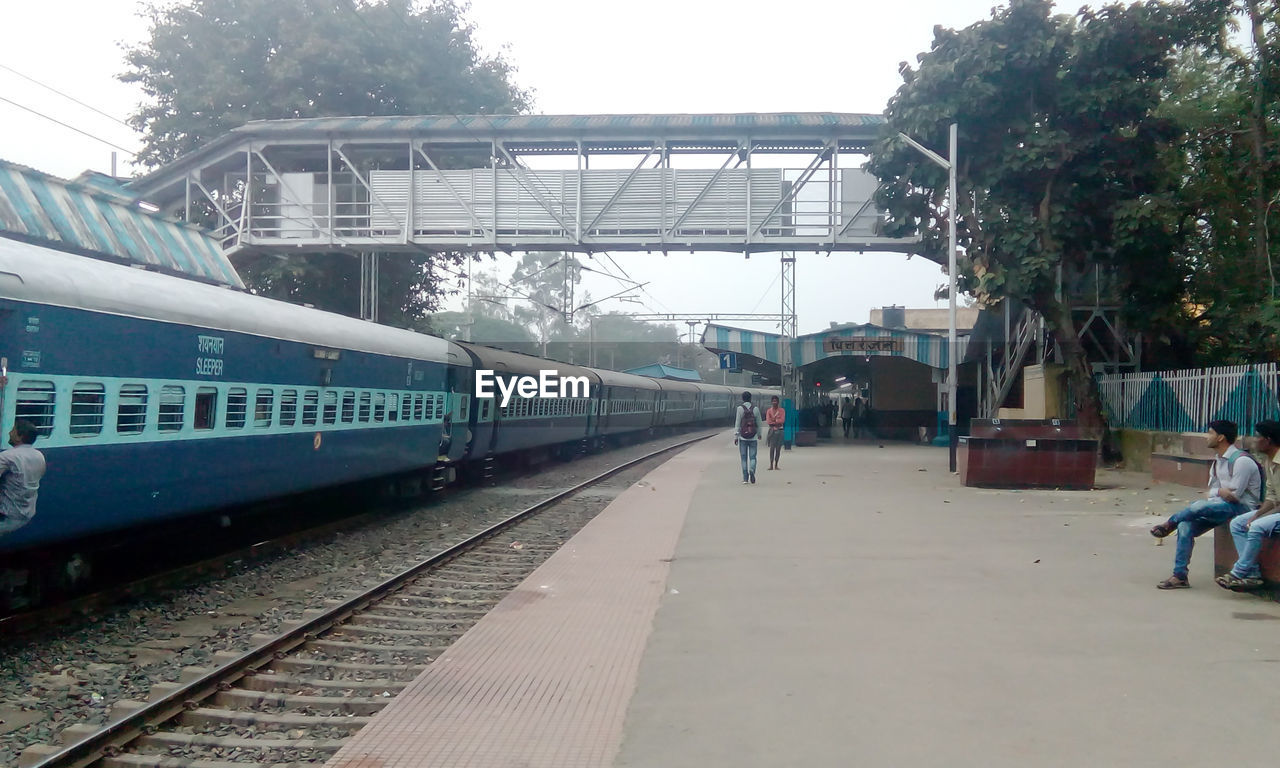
861, 344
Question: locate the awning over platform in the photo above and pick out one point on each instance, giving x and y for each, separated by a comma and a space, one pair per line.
88, 218
847, 341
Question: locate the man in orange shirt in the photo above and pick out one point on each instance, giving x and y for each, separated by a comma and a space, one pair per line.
775, 417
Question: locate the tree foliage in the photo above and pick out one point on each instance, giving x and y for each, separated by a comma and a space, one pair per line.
1060, 157
1225, 98
208, 66
212, 65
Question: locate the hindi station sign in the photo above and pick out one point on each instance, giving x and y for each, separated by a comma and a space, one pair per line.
837, 344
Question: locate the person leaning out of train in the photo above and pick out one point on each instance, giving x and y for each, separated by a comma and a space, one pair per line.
775, 417
1234, 489
746, 435
1250, 528
21, 468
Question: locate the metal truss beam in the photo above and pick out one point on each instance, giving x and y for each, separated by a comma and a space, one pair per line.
482, 184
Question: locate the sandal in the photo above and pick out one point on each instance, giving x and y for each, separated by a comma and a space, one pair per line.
1162, 530
1174, 582
1236, 584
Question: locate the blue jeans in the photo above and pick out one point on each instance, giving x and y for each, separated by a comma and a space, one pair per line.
1201, 516
1248, 538
747, 450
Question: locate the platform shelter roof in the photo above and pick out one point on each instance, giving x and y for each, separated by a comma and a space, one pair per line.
670, 372
849, 340
95, 217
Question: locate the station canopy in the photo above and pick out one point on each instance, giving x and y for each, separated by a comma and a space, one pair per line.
94, 216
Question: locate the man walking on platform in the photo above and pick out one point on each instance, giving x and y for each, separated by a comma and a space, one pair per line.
1234, 485
746, 435
1249, 529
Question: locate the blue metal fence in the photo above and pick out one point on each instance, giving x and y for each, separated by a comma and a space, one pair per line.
1187, 400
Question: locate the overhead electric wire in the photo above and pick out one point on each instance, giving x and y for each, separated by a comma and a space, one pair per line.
68, 125
67, 96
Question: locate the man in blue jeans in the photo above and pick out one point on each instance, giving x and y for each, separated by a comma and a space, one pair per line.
746, 435
1234, 483
1249, 529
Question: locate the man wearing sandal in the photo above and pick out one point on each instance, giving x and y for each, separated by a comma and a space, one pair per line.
1249, 528
1234, 485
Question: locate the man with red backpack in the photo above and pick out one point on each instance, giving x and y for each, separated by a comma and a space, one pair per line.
746, 435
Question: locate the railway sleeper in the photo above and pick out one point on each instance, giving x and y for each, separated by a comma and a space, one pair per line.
480, 570
167, 740
374, 648
453, 605
377, 620
166, 761
440, 593
359, 672
462, 585
360, 630
276, 683
212, 718
241, 699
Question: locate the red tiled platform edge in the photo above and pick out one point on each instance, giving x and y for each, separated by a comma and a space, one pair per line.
1224, 555
1028, 463
1191, 471
544, 680
1022, 429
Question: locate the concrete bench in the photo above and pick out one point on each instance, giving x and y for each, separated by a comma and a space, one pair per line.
1224, 556
1191, 471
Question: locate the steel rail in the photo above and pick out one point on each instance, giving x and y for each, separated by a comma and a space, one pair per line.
111, 739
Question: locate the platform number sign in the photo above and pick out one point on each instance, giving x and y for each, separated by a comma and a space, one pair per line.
729, 361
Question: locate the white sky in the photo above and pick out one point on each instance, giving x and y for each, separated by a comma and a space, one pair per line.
581, 57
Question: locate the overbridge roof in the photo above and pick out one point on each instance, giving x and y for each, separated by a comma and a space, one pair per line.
549, 133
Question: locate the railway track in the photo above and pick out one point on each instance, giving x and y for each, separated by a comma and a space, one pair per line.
297, 696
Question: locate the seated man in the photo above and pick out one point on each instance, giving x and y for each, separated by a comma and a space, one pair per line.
1234, 485
1249, 528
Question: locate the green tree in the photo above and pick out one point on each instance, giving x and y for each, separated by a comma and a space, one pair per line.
1228, 166
1060, 157
208, 66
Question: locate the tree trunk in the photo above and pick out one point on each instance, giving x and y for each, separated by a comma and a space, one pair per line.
1258, 134
1088, 402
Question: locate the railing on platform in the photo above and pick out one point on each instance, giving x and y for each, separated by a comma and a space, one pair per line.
1187, 400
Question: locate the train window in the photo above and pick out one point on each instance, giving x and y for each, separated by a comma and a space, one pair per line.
36, 401
365, 400
173, 403
464, 408
262, 408
406, 406
310, 407
393, 406
420, 410
379, 406
288, 407
206, 407
88, 401
331, 406
131, 409
237, 407
348, 407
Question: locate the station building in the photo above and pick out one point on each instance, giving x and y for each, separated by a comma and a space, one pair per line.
897, 360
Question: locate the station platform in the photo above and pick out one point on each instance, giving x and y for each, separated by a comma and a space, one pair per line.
857, 607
